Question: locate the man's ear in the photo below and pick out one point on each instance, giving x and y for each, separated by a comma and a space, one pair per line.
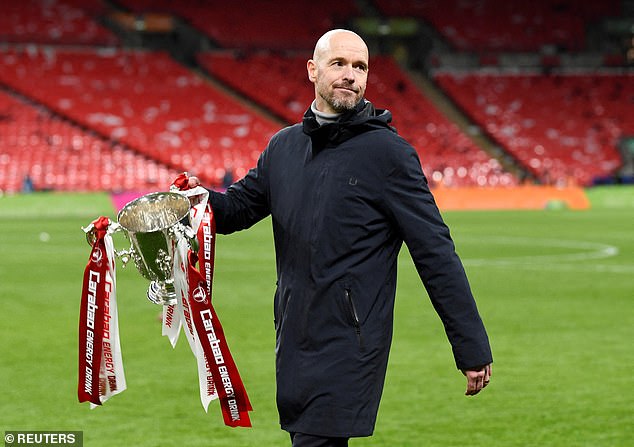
311, 67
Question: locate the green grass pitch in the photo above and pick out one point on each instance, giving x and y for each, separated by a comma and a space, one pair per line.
555, 289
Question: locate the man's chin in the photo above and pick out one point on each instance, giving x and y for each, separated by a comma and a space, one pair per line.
344, 105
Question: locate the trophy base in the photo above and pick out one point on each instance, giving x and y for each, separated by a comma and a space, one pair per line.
161, 293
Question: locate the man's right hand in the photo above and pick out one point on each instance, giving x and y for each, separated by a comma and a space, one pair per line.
193, 182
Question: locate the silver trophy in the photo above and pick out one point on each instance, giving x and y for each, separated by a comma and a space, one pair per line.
153, 224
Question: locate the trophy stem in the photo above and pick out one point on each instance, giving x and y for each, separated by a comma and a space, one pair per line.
162, 292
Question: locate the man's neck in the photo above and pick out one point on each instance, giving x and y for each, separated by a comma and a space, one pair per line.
322, 117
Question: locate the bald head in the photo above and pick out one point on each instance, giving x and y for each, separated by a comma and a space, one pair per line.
339, 70
325, 42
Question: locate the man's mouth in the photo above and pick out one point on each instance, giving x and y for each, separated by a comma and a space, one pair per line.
349, 89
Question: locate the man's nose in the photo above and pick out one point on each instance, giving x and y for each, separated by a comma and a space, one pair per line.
348, 74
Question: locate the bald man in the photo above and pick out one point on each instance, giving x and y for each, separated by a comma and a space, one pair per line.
339, 70
344, 192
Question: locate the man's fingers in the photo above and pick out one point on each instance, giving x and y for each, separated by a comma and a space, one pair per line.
474, 382
477, 380
193, 182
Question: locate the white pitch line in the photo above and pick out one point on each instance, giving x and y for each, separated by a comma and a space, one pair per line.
559, 262
593, 268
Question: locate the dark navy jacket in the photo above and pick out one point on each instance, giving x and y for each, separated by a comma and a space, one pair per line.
343, 197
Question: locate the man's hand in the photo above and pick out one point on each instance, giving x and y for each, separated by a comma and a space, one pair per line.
184, 182
193, 182
477, 378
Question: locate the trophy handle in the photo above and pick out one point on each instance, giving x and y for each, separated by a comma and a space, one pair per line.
124, 256
113, 227
91, 232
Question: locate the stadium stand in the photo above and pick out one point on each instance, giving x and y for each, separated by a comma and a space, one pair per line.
250, 24
503, 25
68, 22
557, 127
564, 128
278, 82
146, 101
281, 85
55, 154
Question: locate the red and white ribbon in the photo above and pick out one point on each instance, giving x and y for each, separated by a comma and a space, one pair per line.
101, 372
182, 313
218, 374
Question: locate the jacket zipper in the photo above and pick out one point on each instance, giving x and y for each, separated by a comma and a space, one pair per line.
355, 316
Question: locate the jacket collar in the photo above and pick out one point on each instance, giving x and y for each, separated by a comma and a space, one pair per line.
362, 118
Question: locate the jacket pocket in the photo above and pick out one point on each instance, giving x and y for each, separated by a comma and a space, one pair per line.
276, 308
354, 316
280, 302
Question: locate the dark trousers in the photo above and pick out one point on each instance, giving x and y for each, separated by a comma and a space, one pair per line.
304, 440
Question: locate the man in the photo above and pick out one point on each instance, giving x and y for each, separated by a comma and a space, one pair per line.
344, 192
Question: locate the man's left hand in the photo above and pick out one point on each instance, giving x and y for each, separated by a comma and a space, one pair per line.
477, 378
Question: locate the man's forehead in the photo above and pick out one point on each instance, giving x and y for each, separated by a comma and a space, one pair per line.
342, 44
348, 47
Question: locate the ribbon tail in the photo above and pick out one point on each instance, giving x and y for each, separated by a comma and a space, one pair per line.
183, 314
112, 376
91, 322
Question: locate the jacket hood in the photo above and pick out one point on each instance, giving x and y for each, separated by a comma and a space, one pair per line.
363, 118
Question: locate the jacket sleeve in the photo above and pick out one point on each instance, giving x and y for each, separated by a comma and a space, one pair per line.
418, 220
245, 203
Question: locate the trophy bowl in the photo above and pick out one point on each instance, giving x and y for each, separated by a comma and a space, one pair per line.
152, 224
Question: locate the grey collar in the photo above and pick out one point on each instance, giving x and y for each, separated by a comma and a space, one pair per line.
324, 118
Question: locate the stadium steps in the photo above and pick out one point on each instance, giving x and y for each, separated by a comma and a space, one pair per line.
182, 41
238, 96
446, 105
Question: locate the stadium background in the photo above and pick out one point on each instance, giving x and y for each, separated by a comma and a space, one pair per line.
511, 105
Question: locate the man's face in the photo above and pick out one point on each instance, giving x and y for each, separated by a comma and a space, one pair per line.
339, 71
